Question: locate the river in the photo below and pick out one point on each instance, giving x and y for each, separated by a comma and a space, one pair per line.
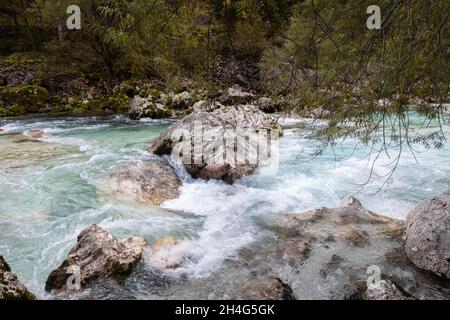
49, 192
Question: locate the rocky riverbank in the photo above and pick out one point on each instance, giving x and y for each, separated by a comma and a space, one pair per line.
28, 89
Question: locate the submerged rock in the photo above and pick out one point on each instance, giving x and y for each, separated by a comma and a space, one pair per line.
332, 248
35, 134
428, 235
337, 253
97, 255
150, 182
224, 144
28, 136
21, 151
10, 286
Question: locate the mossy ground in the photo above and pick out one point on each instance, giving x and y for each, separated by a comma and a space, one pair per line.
56, 87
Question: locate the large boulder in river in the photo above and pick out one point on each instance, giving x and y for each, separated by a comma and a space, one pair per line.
224, 143
10, 286
149, 182
97, 255
428, 235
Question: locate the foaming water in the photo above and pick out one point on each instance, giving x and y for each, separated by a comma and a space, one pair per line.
48, 194
304, 182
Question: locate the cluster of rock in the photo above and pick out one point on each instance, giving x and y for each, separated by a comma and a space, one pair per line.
344, 253
154, 180
11, 75
10, 286
347, 252
162, 106
19, 92
352, 253
157, 105
230, 117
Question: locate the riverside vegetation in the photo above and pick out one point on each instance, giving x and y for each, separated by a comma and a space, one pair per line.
87, 123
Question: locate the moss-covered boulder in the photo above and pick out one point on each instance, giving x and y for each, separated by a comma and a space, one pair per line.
31, 97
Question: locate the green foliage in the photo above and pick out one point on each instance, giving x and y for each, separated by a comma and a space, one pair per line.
31, 97
365, 79
115, 104
118, 103
5, 112
159, 39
